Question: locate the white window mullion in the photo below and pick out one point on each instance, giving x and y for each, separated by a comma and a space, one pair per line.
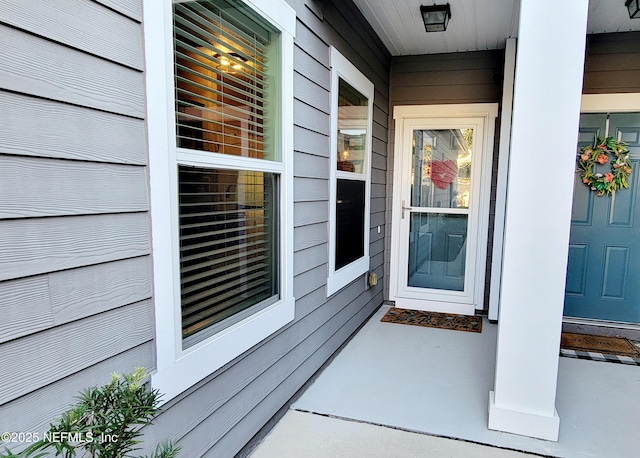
204, 159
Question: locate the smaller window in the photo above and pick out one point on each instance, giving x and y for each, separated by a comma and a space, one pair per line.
351, 124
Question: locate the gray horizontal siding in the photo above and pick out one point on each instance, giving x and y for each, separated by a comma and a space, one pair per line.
378, 205
60, 187
80, 24
381, 116
310, 166
130, 8
45, 357
310, 258
308, 141
310, 235
310, 280
440, 94
378, 190
310, 189
453, 62
36, 66
32, 304
379, 160
75, 276
472, 77
378, 176
612, 63
25, 307
310, 117
306, 213
59, 130
220, 414
444, 77
311, 93
39, 245
313, 45
379, 131
309, 67
78, 293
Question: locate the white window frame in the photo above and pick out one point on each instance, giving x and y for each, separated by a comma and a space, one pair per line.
342, 68
178, 369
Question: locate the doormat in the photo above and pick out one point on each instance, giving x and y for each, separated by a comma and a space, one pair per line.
600, 348
433, 319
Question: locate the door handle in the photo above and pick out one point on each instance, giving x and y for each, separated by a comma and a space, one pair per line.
404, 208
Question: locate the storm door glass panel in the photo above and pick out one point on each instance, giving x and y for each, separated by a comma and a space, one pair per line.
440, 196
228, 247
437, 252
441, 168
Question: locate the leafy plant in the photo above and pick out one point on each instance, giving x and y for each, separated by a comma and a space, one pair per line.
106, 422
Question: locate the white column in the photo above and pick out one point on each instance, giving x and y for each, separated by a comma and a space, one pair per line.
548, 86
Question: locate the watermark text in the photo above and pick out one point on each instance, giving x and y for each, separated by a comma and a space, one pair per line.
28, 437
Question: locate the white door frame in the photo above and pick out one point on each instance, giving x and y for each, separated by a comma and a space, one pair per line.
487, 113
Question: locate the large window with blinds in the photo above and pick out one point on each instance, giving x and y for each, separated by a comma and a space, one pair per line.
229, 164
219, 99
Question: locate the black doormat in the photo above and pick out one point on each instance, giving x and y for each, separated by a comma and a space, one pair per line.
433, 319
600, 348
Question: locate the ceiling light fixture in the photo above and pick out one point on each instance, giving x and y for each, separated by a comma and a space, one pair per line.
227, 64
634, 8
436, 17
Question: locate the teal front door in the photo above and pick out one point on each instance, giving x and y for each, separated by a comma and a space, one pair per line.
603, 273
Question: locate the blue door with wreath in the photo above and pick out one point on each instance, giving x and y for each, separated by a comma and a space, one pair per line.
603, 272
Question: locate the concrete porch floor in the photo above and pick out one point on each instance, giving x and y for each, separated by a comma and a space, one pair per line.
434, 382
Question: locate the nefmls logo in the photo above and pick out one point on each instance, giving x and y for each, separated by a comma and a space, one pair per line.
78, 437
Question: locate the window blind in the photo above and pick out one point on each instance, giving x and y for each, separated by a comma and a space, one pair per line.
350, 195
228, 248
224, 64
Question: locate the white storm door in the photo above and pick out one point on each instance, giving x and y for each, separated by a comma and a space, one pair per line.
439, 213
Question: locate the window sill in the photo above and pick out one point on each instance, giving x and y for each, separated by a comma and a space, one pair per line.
203, 359
338, 280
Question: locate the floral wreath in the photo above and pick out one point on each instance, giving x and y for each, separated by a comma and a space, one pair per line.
589, 156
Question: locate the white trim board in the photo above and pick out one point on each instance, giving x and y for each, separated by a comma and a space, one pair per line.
501, 183
601, 323
599, 103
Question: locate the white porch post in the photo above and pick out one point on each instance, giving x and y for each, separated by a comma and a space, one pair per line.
548, 86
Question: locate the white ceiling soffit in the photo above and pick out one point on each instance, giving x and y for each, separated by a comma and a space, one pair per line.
475, 24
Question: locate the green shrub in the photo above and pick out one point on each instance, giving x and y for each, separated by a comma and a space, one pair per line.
106, 422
